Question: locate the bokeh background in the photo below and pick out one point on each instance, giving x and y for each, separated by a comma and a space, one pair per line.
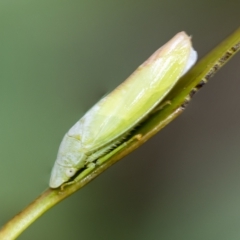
57, 58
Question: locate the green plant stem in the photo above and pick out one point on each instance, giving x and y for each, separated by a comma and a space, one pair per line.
177, 97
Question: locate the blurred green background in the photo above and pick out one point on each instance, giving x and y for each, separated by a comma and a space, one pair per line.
57, 58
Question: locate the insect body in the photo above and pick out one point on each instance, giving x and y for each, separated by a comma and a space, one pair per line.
107, 123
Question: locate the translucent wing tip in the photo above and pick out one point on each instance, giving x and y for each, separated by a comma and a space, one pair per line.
191, 60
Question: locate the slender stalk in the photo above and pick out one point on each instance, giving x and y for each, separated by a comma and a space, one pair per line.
177, 99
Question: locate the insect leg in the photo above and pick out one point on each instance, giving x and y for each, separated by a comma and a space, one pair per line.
160, 106
99, 153
90, 168
114, 151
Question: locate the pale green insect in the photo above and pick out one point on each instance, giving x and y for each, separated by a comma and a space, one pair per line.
107, 123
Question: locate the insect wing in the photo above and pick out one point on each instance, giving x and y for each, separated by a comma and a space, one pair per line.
130, 102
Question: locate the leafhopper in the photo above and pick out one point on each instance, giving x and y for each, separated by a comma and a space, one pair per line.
109, 121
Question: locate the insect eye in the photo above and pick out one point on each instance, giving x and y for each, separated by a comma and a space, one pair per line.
70, 172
